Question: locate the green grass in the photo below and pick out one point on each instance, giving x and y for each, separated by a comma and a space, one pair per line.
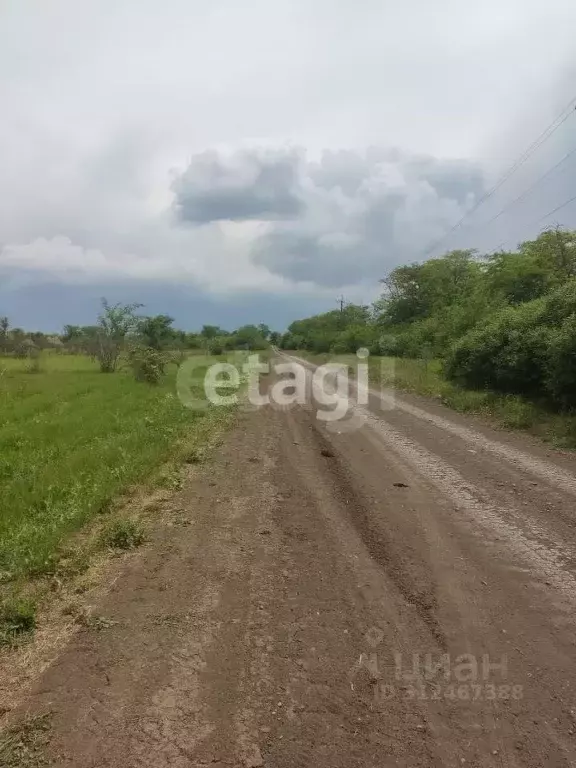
17, 618
425, 378
71, 440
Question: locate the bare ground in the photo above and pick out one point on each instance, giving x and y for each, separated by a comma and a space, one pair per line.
398, 595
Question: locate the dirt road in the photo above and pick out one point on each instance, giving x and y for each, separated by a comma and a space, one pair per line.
398, 595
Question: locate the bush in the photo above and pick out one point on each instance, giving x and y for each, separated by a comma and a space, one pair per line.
529, 350
34, 364
560, 304
386, 345
147, 364
506, 353
216, 348
561, 364
25, 348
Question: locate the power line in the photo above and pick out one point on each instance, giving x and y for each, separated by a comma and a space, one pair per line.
526, 192
559, 208
542, 218
536, 144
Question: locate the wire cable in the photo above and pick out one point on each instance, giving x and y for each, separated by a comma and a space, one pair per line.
526, 192
559, 208
536, 144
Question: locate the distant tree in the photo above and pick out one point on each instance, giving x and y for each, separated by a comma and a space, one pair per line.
249, 337
24, 347
193, 340
115, 323
71, 332
210, 331
264, 330
4, 327
157, 332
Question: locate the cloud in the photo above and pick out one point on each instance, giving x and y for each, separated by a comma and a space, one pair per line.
342, 220
249, 184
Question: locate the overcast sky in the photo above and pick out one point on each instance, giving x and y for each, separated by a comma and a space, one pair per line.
231, 161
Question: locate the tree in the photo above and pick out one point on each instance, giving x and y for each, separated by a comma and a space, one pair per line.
264, 330
193, 340
332, 331
249, 337
516, 277
210, 331
555, 251
115, 323
157, 332
71, 332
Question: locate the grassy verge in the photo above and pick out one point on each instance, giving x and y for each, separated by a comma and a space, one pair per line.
425, 378
72, 440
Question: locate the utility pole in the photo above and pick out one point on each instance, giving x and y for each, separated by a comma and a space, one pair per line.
341, 301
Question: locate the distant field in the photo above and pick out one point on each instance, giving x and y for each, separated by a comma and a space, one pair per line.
71, 439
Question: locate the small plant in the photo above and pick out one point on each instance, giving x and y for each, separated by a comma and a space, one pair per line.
91, 621
17, 617
195, 456
170, 479
123, 534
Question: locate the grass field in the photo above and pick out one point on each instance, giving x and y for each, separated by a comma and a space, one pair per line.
425, 378
71, 440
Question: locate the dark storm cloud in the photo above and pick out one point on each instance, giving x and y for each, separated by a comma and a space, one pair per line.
249, 184
366, 213
345, 219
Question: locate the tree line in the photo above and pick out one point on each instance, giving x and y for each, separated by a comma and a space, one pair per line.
504, 321
121, 332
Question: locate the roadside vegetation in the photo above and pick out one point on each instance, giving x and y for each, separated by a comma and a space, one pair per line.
86, 417
494, 334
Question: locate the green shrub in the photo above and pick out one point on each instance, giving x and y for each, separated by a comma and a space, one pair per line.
561, 364
34, 364
505, 353
216, 348
386, 345
148, 364
529, 350
560, 304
